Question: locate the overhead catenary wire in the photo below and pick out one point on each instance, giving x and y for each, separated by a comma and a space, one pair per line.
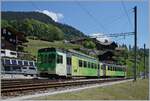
34, 5
126, 13
90, 15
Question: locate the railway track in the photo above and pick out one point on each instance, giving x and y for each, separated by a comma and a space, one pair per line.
21, 88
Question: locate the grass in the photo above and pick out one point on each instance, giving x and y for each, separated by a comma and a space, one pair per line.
124, 91
34, 45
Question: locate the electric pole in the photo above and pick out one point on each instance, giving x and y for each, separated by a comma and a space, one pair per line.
144, 61
135, 41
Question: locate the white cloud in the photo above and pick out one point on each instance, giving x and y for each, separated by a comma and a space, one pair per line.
55, 16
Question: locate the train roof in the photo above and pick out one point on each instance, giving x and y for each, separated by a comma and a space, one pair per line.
12, 58
121, 66
69, 51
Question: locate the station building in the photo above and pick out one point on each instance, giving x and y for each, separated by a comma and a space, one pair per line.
14, 61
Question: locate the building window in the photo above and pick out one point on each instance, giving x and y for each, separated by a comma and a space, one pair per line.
3, 45
32, 68
12, 53
59, 59
2, 37
9, 33
14, 62
4, 31
10, 40
3, 52
24, 67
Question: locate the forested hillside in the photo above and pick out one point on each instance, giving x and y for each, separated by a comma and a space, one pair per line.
39, 25
127, 58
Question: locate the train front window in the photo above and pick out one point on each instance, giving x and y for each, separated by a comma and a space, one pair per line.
59, 59
51, 58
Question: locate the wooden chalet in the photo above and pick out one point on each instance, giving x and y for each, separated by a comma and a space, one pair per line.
105, 51
12, 39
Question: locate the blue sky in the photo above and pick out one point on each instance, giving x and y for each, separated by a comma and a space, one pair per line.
106, 17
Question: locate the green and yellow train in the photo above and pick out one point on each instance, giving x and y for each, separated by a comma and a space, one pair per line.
69, 63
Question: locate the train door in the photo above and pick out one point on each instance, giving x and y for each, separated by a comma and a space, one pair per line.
104, 70
69, 65
98, 71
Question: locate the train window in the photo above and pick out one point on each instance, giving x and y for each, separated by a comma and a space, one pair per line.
95, 66
116, 68
45, 59
32, 68
85, 64
24, 67
89, 65
42, 58
14, 62
31, 63
26, 63
102, 67
111, 68
68, 60
7, 62
59, 59
80, 63
51, 58
19, 62
92, 65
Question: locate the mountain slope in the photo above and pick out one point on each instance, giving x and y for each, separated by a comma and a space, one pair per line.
69, 31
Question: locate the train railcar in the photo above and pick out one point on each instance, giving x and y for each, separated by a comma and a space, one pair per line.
112, 70
56, 62
18, 66
69, 63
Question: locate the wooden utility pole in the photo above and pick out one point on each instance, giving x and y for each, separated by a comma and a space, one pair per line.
135, 41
